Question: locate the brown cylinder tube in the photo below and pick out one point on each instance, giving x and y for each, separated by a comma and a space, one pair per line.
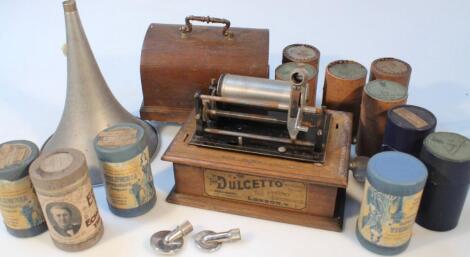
391, 69
302, 53
342, 91
283, 72
379, 96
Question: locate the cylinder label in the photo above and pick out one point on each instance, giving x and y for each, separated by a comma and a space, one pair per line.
254, 189
11, 154
387, 220
117, 137
129, 184
19, 204
72, 215
411, 117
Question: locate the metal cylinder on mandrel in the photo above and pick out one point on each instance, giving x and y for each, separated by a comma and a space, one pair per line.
302, 53
64, 190
407, 127
447, 157
284, 72
391, 69
378, 97
342, 91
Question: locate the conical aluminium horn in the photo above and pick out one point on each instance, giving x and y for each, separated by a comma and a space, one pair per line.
90, 106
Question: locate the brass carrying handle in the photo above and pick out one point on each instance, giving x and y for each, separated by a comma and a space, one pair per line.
189, 27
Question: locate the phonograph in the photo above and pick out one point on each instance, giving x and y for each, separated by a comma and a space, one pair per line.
253, 147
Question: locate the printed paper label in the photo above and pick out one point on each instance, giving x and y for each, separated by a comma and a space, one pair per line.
19, 204
129, 184
117, 137
411, 117
11, 154
72, 216
387, 220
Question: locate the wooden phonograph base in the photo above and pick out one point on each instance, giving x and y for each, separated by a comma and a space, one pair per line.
290, 191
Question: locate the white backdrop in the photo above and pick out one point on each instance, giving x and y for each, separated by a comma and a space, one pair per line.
433, 36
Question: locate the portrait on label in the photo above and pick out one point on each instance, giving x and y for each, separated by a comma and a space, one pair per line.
65, 218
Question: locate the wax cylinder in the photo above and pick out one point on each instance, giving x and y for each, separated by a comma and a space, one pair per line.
342, 91
392, 194
64, 190
391, 69
302, 53
447, 156
124, 156
19, 204
407, 126
379, 96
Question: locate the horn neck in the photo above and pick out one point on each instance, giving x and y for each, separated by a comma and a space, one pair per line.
90, 105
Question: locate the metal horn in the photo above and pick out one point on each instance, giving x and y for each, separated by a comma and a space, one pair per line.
90, 106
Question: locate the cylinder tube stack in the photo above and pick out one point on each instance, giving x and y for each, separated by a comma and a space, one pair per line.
447, 156
379, 96
342, 91
407, 126
391, 69
302, 53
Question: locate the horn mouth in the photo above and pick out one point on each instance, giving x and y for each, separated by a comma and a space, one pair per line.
70, 6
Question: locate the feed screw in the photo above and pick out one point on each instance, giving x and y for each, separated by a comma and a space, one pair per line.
211, 241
